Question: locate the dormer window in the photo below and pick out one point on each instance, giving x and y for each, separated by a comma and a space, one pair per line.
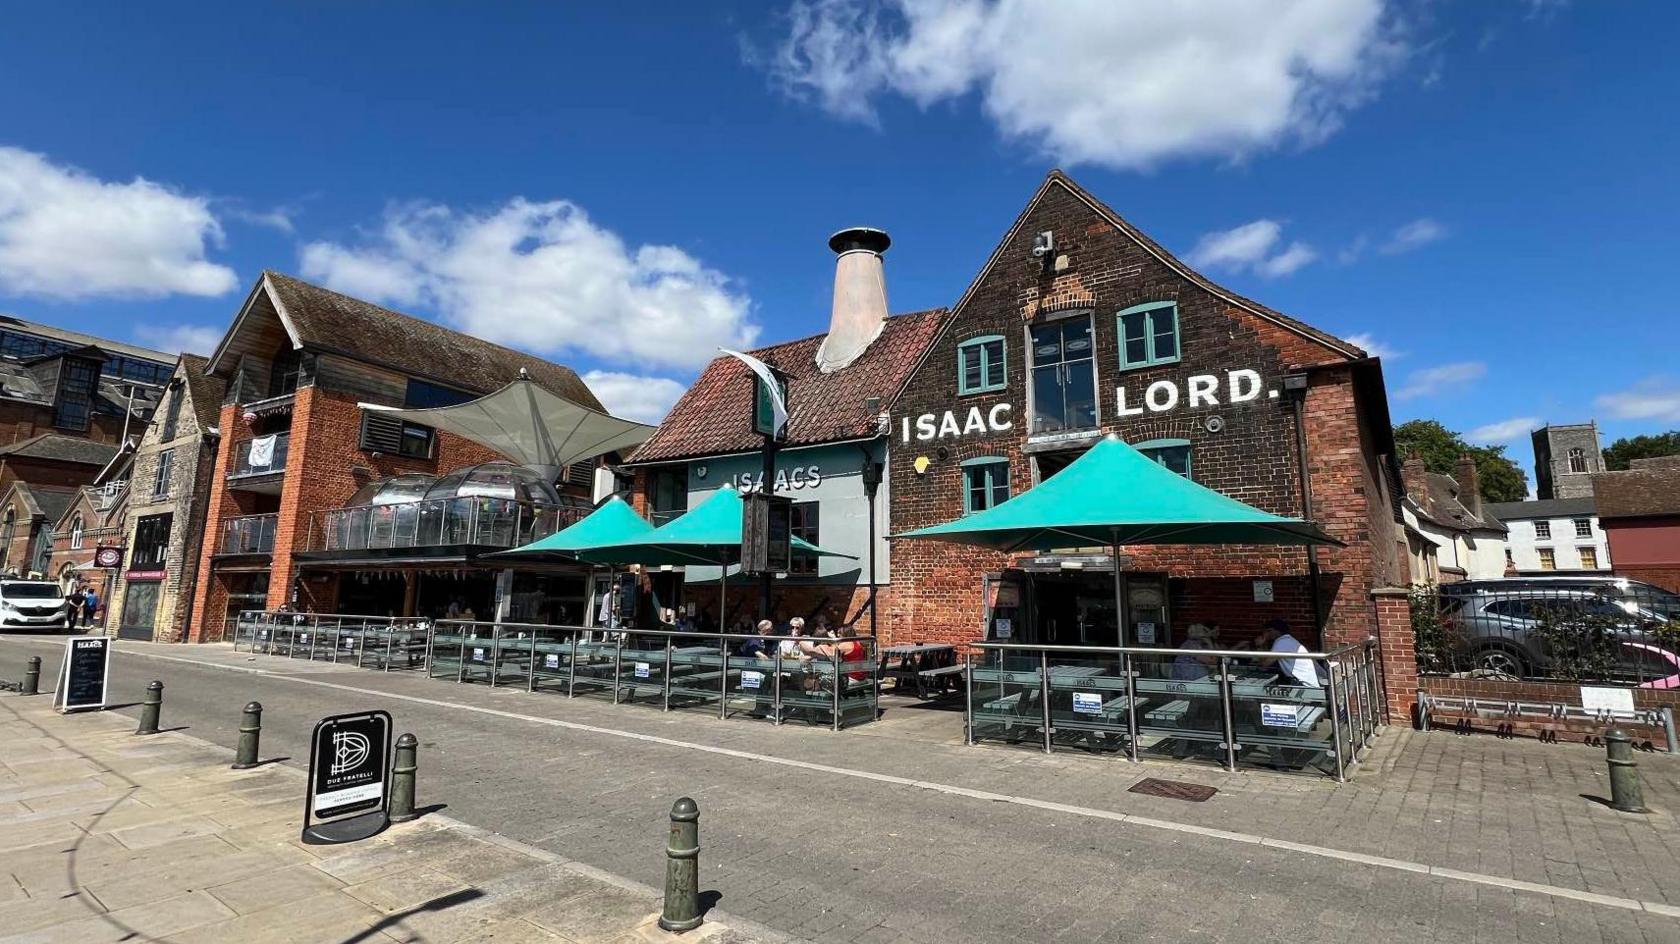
1149, 335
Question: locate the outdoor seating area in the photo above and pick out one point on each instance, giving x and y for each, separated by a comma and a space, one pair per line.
1243, 709
821, 682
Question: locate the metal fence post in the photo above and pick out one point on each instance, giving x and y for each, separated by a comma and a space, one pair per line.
531, 667
1131, 706
834, 715
666, 705
1044, 694
571, 668
723, 677
1335, 721
361, 643
777, 696
495, 653
968, 702
618, 668
1225, 706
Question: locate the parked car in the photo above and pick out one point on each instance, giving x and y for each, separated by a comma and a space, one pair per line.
1645, 595
1572, 632
32, 604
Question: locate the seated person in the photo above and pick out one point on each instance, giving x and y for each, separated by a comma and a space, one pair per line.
1189, 665
1276, 638
757, 646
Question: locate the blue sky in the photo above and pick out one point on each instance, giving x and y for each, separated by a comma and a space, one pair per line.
1483, 192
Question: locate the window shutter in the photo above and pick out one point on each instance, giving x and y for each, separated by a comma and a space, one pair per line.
581, 474
381, 433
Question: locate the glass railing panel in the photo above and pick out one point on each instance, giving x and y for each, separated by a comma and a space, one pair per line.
552, 651
597, 666
1005, 697
1280, 711
1179, 706
697, 673
1089, 703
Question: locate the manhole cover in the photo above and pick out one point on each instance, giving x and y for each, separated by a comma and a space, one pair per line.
1172, 789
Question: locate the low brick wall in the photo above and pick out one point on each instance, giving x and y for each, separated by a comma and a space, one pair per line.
1500, 690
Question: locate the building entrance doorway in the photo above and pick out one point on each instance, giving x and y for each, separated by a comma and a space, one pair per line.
1067, 607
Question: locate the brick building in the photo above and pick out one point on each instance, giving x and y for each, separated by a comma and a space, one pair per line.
1080, 326
317, 503
162, 526
1639, 512
45, 475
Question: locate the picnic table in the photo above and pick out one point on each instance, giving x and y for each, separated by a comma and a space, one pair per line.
926, 665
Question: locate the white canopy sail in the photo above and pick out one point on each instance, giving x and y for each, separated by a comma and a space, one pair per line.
530, 426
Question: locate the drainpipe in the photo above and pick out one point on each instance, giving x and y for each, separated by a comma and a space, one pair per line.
872, 474
1295, 387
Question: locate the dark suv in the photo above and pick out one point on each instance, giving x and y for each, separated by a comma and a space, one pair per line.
1570, 631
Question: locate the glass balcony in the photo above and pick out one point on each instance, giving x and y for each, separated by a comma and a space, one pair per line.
264, 455
440, 522
248, 534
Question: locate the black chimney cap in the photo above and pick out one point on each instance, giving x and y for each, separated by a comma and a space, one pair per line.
860, 237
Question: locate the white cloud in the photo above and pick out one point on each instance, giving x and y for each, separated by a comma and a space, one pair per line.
1413, 235
1251, 247
1503, 431
67, 234
633, 396
279, 218
1435, 381
1096, 81
1375, 348
180, 338
543, 277
1655, 399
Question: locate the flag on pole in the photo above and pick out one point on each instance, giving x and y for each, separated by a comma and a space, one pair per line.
767, 377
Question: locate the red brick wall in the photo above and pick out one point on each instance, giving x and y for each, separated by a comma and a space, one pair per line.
1254, 459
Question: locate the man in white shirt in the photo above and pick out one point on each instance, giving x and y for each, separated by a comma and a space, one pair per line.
1276, 637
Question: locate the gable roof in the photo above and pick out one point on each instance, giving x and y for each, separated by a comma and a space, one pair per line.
1057, 178
206, 389
57, 448
324, 320
1542, 508
1448, 512
714, 416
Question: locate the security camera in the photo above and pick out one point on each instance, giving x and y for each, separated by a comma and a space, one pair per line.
1044, 244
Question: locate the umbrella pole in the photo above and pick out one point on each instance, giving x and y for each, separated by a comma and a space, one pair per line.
723, 594
1119, 595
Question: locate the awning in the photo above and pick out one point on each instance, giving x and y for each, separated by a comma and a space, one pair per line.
531, 426
1114, 495
708, 534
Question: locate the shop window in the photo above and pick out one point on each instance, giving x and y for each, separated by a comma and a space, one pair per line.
1589, 557
172, 413
75, 395
1064, 376
76, 533
1543, 530
1548, 559
982, 365
985, 483
151, 542
1149, 335
806, 521
1170, 454
1583, 527
165, 472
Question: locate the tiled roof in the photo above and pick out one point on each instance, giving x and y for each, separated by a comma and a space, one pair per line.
329, 321
206, 390
61, 449
1647, 489
1542, 508
1447, 511
715, 416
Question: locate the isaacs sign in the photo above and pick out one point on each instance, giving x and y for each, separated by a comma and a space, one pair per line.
1198, 391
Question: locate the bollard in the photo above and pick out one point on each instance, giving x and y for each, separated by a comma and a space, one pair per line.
1625, 793
150, 708
32, 676
682, 869
250, 737
403, 769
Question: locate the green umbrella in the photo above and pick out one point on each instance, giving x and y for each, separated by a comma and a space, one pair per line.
1114, 495
614, 521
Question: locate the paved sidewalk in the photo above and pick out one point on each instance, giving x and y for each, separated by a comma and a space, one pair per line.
109, 837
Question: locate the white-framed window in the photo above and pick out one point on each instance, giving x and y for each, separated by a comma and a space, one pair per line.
1583, 527
76, 532
165, 472
1543, 530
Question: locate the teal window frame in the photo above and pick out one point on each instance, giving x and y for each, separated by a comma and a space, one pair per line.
986, 365
1152, 450
990, 465
1151, 313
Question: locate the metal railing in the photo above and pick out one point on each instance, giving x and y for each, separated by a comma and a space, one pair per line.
827, 682
1227, 705
1595, 630
248, 534
438, 522
242, 465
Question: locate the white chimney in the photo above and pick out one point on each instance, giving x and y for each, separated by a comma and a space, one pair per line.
860, 297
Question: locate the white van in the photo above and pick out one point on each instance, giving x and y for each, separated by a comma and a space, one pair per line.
32, 604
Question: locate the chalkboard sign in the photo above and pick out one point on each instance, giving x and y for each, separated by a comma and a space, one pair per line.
83, 676
349, 777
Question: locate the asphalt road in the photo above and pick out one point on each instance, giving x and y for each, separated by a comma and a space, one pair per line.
839, 856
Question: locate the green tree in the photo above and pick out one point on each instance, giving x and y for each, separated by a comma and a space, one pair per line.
1622, 452
1502, 479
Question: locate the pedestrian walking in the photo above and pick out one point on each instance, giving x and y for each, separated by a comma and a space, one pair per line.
73, 605
90, 606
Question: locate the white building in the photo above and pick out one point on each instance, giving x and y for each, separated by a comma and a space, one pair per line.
1450, 534
1553, 534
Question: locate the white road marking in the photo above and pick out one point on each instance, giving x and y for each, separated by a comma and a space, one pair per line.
1475, 878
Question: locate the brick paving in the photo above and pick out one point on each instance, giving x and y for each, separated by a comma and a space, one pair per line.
105, 836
